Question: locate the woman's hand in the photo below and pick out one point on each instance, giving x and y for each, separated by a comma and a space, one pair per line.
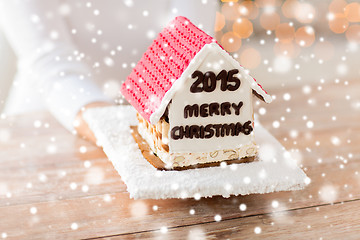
81, 126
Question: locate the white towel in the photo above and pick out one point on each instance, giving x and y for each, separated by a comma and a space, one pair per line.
275, 170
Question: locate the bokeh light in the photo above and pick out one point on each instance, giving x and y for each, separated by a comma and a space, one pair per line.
305, 36
243, 27
353, 33
287, 27
269, 21
229, 10
250, 58
219, 22
338, 23
268, 3
248, 9
231, 42
285, 33
305, 13
352, 12
337, 6
289, 8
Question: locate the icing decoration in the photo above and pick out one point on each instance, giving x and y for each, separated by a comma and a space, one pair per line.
198, 117
211, 109
202, 81
211, 130
167, 63
188, 159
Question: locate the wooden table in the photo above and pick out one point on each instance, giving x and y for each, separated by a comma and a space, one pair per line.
54, 185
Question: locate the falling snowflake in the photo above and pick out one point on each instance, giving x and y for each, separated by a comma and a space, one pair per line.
33, 210
275, 204
73, 186
276, 124
328, 193
85, 188
242, 207
139, 209
74, 226
257, 230
247, 180
309, 124
107, 198
87, 164
82, 149
217, 218
335, 141
163, 229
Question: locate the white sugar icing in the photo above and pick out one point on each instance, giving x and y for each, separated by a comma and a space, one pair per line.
214, 60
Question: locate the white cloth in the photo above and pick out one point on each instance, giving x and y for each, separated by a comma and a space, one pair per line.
274, 171
72, 52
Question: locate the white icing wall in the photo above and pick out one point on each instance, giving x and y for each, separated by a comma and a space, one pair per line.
210, 60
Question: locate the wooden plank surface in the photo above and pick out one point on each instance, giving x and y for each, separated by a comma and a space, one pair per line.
323, 222
54, 185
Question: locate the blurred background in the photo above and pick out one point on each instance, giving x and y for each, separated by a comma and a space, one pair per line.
283, 43
7, 69
291, 43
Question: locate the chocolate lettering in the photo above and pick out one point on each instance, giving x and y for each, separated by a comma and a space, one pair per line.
209, 87
202, 131
175, 135
190, 111
211, 109
184, 132
204, 110
225, 108
238, 128
247, 128
194, 131
207, 81
210, 130
200, 79
227, 128
217, 129
214, 109
231, 78
237, 107
223, 77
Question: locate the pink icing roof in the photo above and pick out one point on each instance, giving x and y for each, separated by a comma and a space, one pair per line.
162, 64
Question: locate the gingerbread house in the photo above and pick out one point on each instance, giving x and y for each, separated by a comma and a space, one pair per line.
194, 101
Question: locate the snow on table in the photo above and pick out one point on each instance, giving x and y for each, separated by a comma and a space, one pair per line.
275, 170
